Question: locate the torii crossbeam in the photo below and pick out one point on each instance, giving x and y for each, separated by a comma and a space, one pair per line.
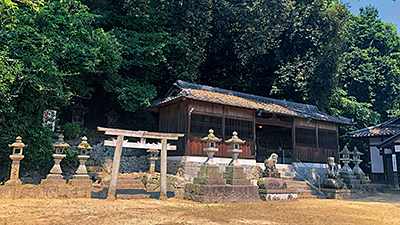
120, 143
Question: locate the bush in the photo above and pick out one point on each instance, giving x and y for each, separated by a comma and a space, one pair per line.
71, 130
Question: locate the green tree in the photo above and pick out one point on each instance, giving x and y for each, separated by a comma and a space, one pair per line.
370, 68
53, 56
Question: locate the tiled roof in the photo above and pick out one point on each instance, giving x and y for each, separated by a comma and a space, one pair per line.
387, 128
182, 89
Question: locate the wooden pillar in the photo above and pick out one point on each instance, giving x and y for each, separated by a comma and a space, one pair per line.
163, 177
112, 189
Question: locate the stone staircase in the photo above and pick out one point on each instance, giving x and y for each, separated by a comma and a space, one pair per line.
131, 187
303, 189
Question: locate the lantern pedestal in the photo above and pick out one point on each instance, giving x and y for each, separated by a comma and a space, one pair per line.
209, 175
55, 178
81, 178
14, 175
235, 175
210, 156
357, 170
152, 168
235, 153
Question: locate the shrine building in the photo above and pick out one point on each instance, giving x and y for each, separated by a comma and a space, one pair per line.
267, 125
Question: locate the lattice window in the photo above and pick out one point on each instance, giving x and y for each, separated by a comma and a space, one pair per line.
306, 136
244, 128
327, 139
200, 124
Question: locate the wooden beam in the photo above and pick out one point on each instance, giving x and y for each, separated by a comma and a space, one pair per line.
141, 134
127, 144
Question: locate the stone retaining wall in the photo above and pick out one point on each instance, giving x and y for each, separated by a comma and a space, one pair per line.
38, 191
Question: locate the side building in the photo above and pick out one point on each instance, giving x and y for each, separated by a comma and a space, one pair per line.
292, 130
384, 150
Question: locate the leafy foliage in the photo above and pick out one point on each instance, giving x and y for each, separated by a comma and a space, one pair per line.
121, 54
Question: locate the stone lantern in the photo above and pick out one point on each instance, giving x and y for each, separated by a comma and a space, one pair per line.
16, 158
234, 150
211, 147
55, 177
346, 160
81, 177
357, 160
234, 173
153, 158
112, 118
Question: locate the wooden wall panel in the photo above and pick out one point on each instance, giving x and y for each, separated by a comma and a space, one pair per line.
204, 107
173, 118
312, 154
163, 122
315, 124
304, 122
239, 112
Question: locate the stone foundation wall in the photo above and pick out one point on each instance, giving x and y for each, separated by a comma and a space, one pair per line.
189, 169
221, 193
37, 191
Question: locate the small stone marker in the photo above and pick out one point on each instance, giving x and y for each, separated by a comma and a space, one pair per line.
81, 178
55, 178
16, 158
153, 158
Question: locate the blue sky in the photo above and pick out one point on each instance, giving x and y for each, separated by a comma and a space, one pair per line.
389, 11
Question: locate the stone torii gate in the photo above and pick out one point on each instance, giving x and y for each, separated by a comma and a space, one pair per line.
120, 143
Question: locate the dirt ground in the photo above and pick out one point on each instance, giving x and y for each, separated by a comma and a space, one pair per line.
375, 210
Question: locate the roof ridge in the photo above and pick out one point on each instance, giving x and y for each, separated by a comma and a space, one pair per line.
182, 84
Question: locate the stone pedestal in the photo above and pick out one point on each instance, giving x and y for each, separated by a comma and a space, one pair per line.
14, 175
55, 178
235, 175
357, 170
337, 193
209, 175
152, 168
81, 178
221, 193
275, 189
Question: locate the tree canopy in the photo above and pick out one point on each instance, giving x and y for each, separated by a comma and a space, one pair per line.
122, 54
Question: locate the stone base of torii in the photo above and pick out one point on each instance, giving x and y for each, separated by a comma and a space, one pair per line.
121, 143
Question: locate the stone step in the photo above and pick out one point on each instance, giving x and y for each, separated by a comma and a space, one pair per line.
133, 177
131, 186
132, 196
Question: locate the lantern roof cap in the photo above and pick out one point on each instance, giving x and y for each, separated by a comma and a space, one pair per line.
235, 139
84, 144
18, 143
345, 151
112, 113
60, 143
152, 150
211, 137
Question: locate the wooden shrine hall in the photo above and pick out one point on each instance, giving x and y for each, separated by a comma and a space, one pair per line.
267, 125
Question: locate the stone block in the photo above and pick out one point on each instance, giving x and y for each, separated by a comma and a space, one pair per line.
238, 181
80, 182
279, 197
271, 183
222, 194
7, 192
337, 193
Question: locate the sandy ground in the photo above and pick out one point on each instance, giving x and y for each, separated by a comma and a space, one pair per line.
375, 210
